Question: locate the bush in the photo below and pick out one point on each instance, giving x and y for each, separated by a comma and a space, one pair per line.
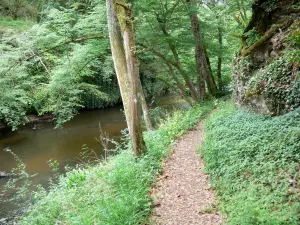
253, 163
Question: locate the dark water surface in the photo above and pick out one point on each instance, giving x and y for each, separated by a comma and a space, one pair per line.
37, 144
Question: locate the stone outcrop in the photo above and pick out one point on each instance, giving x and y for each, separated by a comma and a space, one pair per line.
3, 174
266, 70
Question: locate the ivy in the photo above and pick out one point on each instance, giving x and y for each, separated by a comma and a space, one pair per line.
279, 83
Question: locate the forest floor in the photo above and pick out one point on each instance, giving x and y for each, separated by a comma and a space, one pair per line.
182, 193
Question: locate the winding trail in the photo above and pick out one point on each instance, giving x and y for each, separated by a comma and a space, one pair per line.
182, 194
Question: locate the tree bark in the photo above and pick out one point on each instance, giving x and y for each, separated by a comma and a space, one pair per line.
125, 18
219, 72
119, 58
127, 70
145, 108
202, 60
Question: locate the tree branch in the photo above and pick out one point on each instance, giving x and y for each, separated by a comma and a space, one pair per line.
265, 37
78, 40
160, 55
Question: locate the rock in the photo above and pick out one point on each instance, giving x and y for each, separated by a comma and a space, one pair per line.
263, 78
3, 174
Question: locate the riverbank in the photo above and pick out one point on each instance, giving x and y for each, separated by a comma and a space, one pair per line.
37, 143
105, 193
253, 164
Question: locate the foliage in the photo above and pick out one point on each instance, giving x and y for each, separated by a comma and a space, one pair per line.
113, 192
18, 8
57, 78
7, 23
20, 177
278, 82
253, 163
59, 66
251, 37
176, 19
293, 40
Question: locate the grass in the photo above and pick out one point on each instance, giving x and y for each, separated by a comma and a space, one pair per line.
113, 192
7, 23
254, 162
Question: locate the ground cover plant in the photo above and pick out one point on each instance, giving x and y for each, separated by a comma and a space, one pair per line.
116, 191
253, 163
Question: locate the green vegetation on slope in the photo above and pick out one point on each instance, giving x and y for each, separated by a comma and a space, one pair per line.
253, 163
116, 192
7, 23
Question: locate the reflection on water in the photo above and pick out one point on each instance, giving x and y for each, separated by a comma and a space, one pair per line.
38, 144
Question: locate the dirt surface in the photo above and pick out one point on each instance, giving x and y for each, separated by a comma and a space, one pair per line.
182, 194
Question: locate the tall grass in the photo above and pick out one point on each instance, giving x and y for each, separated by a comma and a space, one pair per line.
113, 192
254, 162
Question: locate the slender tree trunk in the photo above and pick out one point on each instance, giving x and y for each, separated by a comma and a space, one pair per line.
125, 17
202, 61
145, 108
200, 57
219, 72
127, 70
244, 10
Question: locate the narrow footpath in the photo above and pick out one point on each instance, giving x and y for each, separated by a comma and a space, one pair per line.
182, 194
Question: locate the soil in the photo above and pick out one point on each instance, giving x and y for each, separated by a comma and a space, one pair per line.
182, 194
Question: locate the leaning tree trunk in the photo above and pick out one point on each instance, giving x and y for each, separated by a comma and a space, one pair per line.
119, 58
202, 60
125, 17
145, 107
127, 69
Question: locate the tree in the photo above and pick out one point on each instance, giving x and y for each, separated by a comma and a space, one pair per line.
202, 60
119, 16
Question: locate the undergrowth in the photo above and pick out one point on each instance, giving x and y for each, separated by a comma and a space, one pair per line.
253, 163
116, 191
7, 22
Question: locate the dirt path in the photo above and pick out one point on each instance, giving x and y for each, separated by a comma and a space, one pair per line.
182, 195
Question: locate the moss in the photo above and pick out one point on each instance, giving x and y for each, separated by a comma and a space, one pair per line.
252, 92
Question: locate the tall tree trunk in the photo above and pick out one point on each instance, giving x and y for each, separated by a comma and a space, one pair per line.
125, 17
202, 60
119, 58
127, 70
219, 72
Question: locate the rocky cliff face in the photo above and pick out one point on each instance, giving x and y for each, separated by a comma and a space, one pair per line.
266, 71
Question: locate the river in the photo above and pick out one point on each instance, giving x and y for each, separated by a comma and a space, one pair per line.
37, 144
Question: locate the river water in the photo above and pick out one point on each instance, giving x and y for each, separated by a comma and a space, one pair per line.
37, 144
